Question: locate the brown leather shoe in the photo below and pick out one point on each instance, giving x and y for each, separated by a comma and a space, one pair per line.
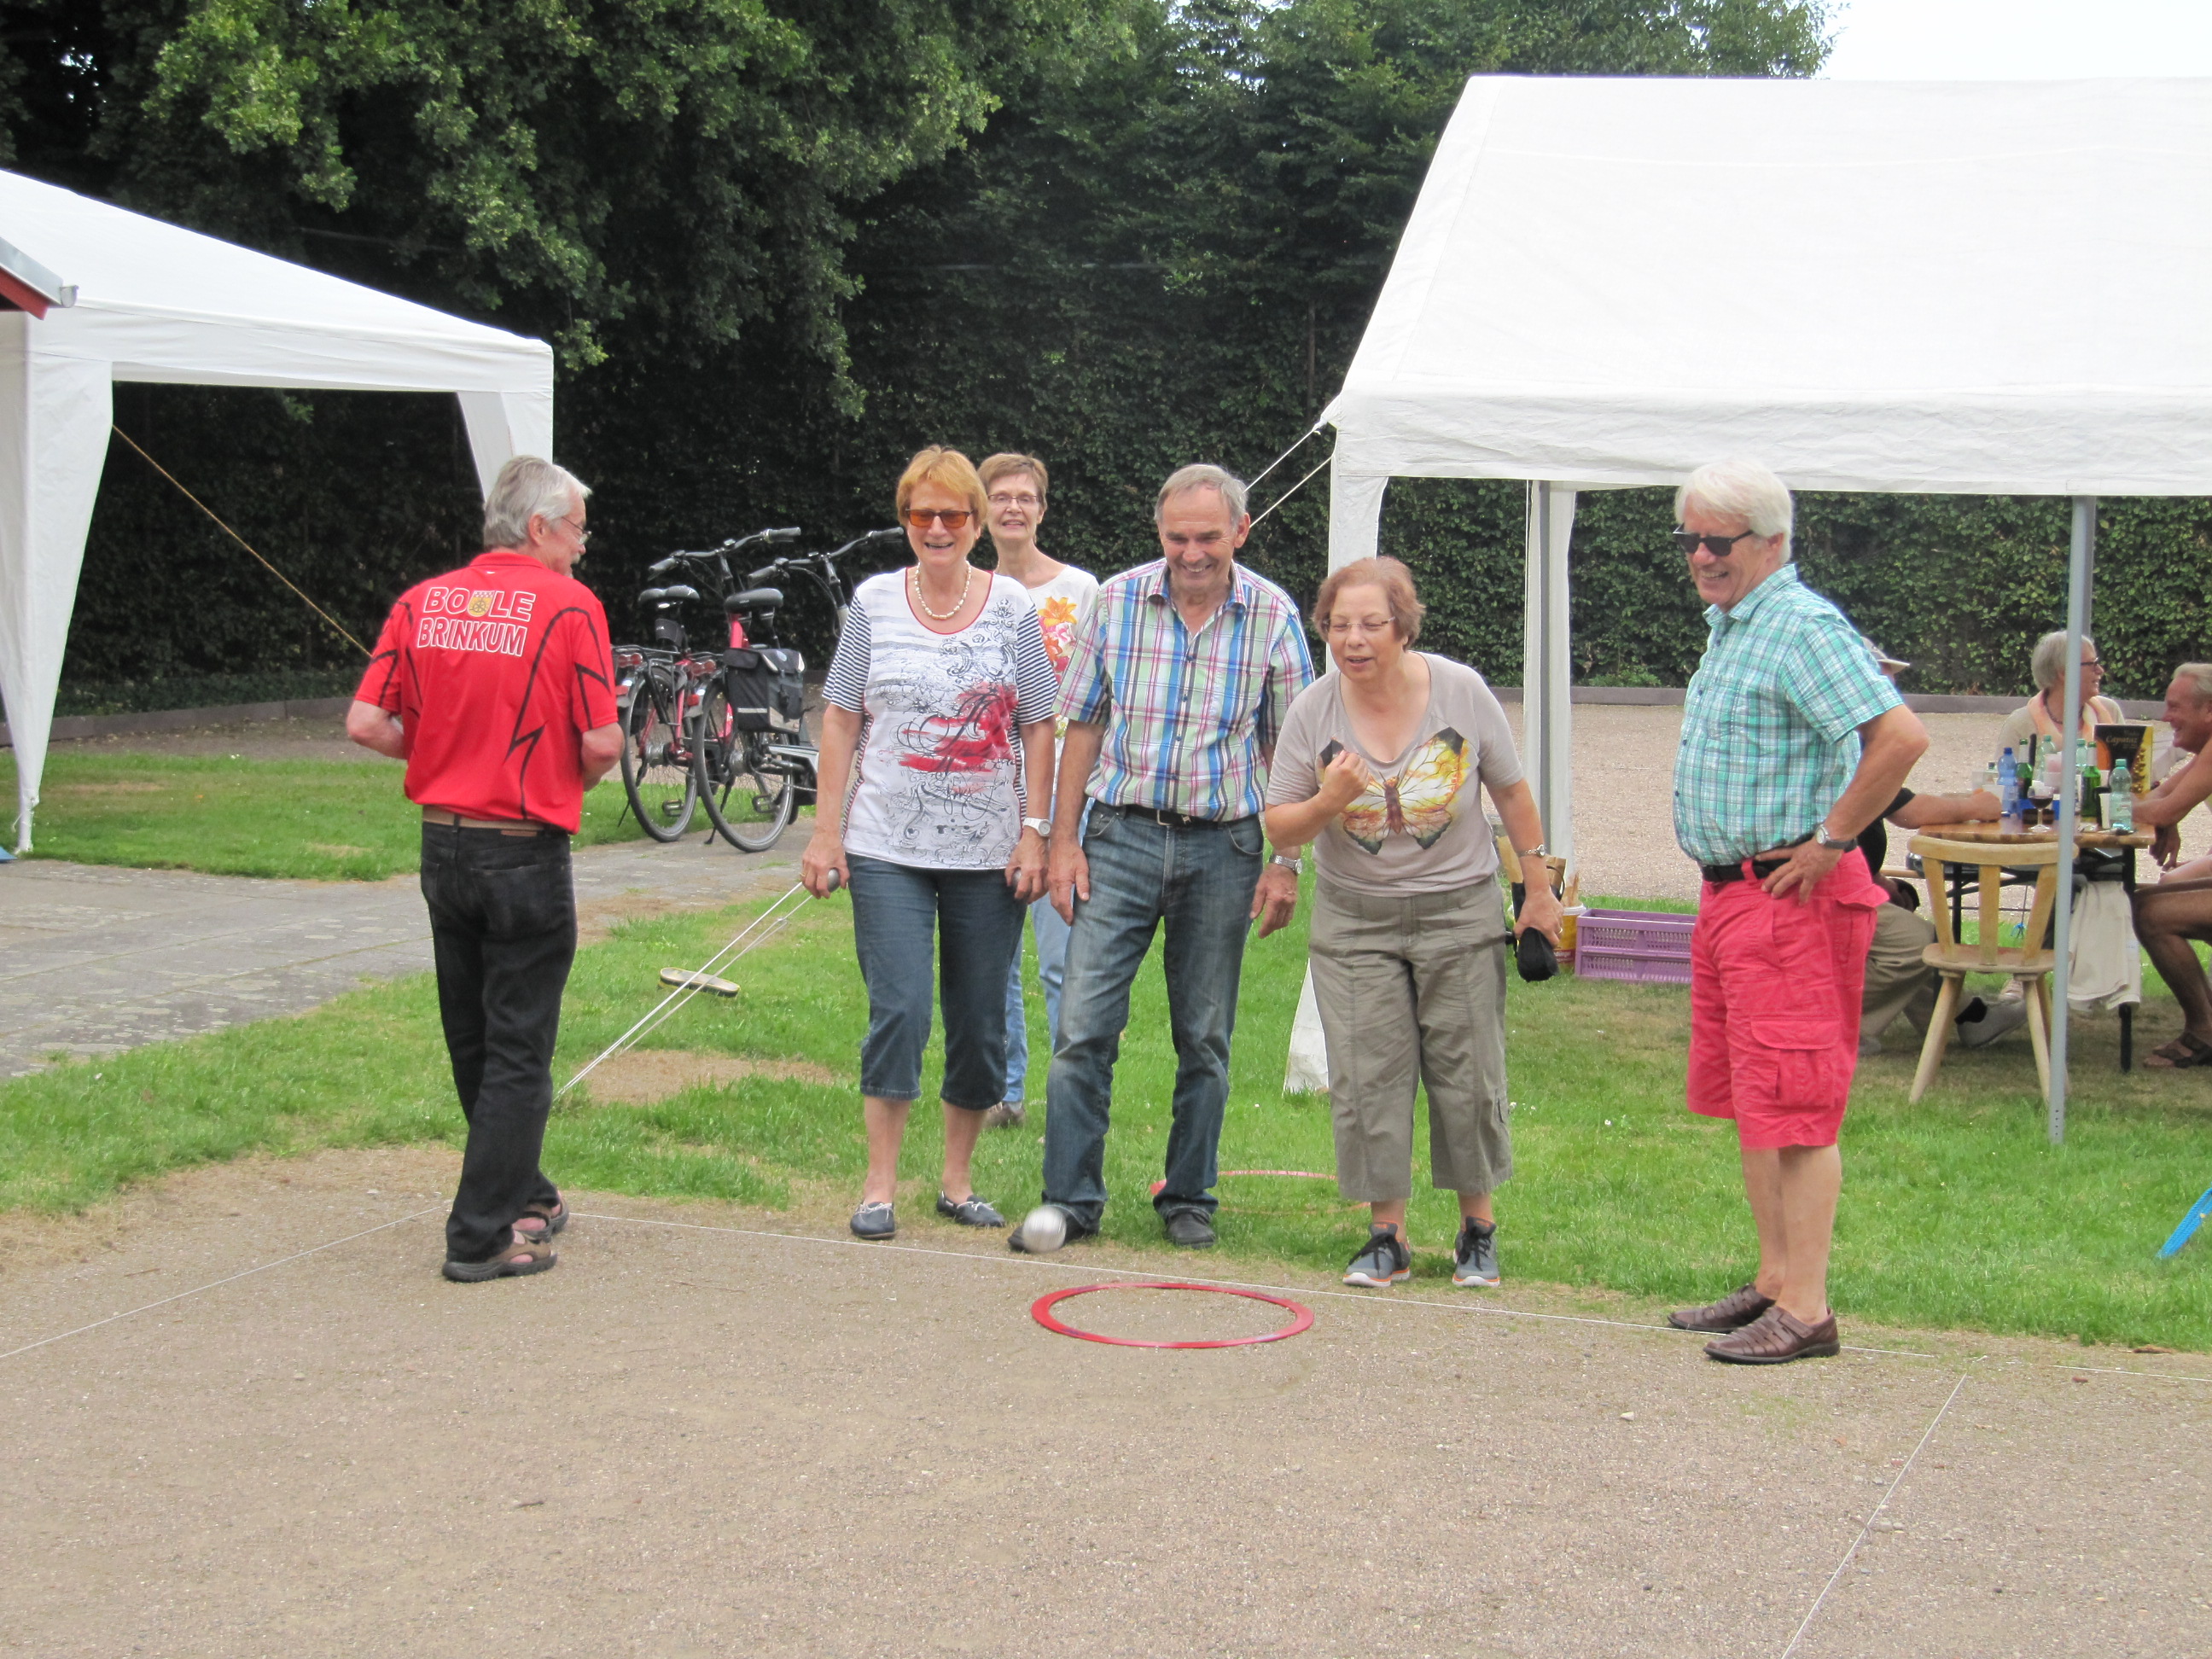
1775, 1337
1731, 1313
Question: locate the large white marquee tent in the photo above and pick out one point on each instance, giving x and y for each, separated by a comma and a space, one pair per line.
103, 295
1968, 288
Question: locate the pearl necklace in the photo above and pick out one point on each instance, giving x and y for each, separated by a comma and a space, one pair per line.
942, 615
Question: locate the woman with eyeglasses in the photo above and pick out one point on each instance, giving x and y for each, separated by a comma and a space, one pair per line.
2041, 718
1381, 764
941, 669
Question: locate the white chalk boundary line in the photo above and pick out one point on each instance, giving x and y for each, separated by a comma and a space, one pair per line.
1368, 1298
1867, 1526
213, 1284
1060, 1266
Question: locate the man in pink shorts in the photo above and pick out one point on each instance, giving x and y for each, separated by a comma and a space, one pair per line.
1793, 742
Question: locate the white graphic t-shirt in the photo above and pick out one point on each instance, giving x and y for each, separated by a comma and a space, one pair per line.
1061, 605
936, 776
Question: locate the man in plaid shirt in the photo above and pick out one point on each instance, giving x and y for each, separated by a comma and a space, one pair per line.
1181, 676
1793, 741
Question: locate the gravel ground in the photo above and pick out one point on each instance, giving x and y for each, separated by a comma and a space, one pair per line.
688, 1441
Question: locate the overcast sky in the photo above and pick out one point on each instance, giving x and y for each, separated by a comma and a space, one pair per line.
2018, 40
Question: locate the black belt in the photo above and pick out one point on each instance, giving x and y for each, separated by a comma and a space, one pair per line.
1168, 818
1761, 866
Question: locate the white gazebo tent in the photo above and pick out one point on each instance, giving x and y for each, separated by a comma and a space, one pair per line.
1982, 287
100, 295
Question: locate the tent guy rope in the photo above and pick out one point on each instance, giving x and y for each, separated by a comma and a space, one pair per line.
335, 626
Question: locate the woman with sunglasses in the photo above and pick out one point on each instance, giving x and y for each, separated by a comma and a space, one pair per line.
941, 839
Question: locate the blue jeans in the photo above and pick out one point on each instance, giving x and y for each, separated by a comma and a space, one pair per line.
977, 922
1198, 882
1052, 970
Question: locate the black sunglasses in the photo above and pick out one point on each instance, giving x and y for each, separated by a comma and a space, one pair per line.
1718, 546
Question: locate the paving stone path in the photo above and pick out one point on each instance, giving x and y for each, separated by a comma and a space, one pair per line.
95, 959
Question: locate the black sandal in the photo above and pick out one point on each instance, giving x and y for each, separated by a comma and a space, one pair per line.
550, 1219
2183, 1053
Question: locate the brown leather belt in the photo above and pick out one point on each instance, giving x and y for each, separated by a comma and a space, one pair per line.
505, 826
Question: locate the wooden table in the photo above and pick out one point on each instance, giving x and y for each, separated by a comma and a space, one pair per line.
2100, 841
2109, 845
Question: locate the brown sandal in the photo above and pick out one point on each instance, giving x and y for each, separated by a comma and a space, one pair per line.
522, 1255
2183, 1054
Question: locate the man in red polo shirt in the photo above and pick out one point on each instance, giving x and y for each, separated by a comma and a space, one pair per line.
495, 683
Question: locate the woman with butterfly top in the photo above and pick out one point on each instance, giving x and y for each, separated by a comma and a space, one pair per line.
1378, 766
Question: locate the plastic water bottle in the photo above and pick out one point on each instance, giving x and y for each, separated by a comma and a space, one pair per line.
2008, 792
2120, 800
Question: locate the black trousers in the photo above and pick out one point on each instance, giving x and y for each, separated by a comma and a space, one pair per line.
503, 923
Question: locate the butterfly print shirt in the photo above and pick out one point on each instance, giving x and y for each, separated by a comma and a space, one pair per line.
1418, 826
938, 769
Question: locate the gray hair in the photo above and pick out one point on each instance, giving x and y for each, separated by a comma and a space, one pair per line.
2199, 676
1740, 489
2048, 665
1229, 487
528, 488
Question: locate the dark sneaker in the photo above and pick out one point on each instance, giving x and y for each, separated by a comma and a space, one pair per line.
1007, 1115
1984, 1023
874, 1221
1189, 1229
970, 1212
1474, 1256
1775, 1337
1384, 1260
1731, 1313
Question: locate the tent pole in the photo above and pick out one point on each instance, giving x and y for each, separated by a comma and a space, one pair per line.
2082, 549
1547, 673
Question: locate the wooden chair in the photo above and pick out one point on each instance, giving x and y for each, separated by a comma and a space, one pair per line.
2029, 962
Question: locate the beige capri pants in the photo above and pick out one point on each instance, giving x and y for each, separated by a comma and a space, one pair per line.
1412, 990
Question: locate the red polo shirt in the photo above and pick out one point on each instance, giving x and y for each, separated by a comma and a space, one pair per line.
496, 670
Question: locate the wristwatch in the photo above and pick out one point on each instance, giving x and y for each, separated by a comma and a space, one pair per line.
1043, 826
1834, 844
1290, 862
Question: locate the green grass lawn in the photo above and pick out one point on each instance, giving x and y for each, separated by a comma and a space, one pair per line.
1957, 1212
313, 819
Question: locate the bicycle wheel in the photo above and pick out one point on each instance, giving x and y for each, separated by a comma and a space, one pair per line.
655, 771
748, 805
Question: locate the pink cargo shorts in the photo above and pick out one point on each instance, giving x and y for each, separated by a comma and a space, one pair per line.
1774, 1004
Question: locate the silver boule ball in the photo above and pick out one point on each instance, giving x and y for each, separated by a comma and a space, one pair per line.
1044, 1229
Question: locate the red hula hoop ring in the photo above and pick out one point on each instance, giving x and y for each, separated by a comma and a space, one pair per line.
1042, 1311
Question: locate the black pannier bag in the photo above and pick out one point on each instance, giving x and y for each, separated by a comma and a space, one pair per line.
767, 687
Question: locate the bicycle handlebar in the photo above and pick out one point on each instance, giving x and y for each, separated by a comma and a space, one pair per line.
806, 561
661, 567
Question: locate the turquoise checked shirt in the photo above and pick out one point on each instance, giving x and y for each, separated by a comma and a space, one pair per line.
1770, 724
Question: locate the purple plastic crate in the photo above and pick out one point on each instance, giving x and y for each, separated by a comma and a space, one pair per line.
1644, 947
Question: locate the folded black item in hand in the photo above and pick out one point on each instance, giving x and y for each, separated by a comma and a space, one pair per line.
1533, 956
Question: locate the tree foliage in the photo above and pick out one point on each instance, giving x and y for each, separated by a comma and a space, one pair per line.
782, 243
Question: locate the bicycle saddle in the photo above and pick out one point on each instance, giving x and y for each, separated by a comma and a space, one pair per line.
675, 595
754, 598
651, 596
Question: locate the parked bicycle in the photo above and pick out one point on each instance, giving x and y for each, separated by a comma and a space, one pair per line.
661, 688
754, 763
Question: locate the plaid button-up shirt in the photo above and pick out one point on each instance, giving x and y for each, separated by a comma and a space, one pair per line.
1187, 716
1770, 737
